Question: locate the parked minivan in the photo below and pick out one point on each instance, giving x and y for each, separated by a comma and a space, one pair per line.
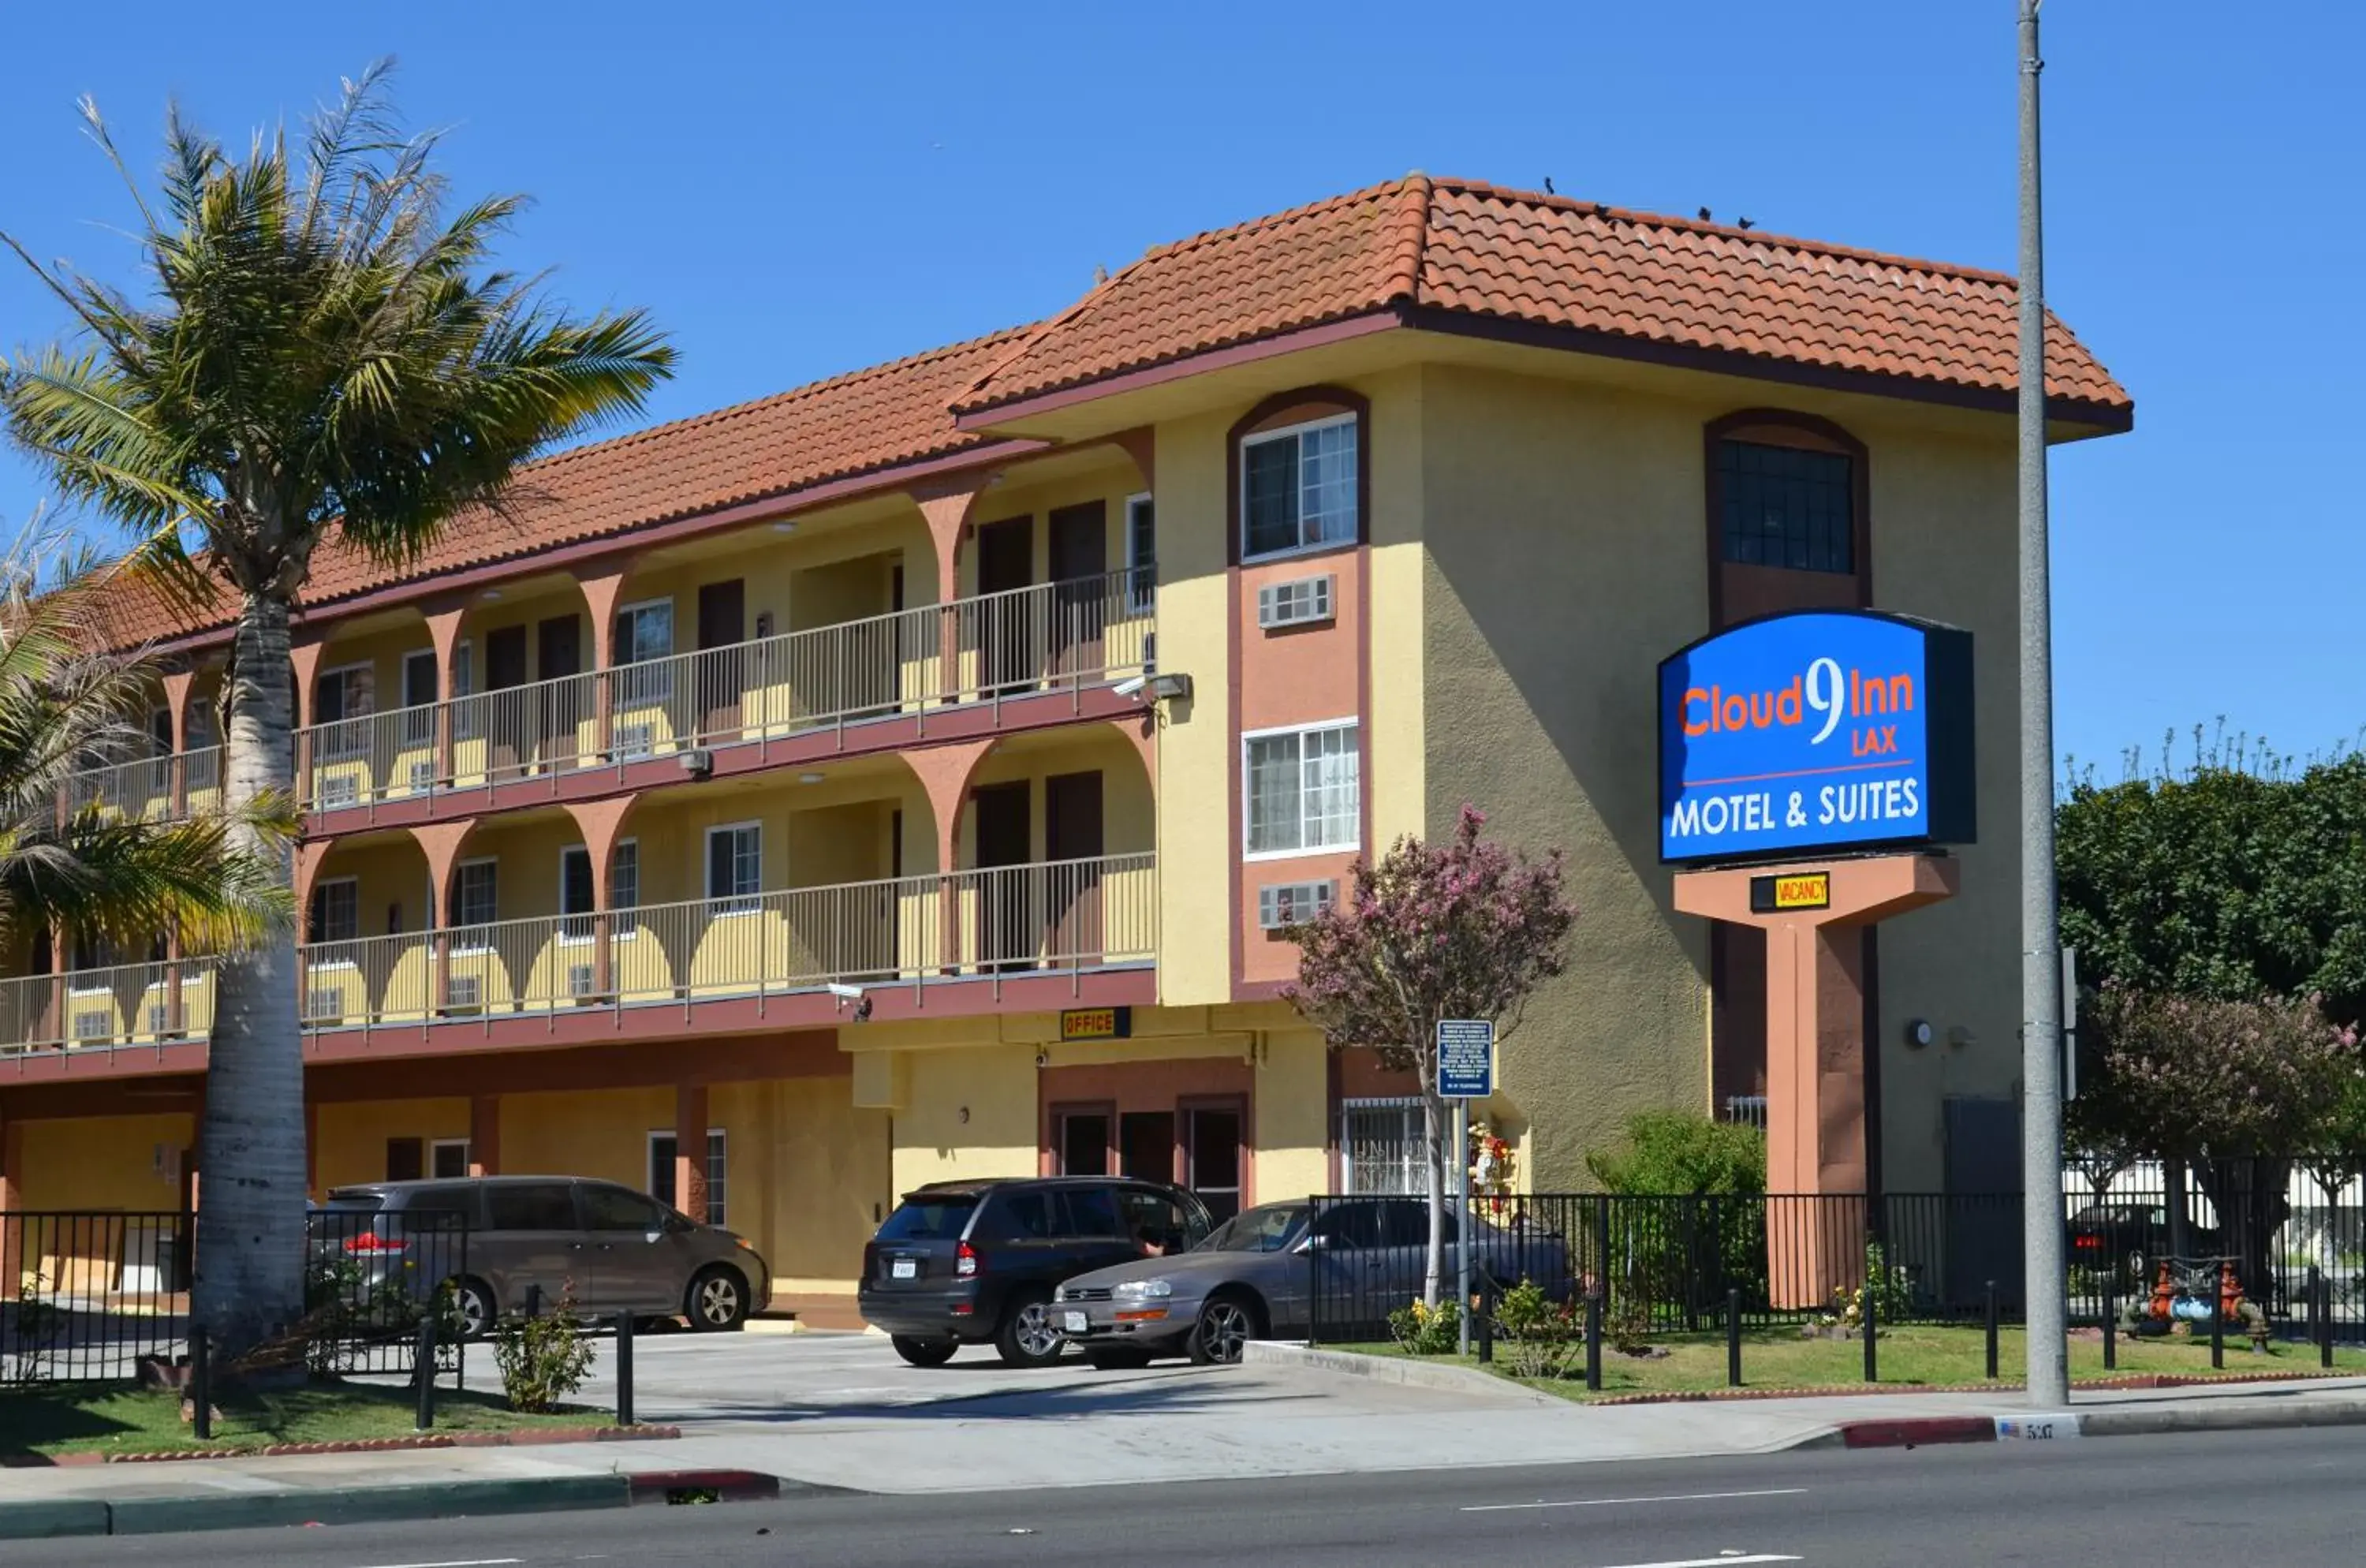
617, 1250
977, 1262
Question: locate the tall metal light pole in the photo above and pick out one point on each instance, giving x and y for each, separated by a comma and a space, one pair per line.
2041, 939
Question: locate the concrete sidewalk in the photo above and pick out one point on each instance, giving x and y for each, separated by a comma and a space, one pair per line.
1162, 1425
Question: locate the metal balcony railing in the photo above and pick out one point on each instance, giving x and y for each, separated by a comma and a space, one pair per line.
143, 786
1057, 636
125, 1004
1059, 916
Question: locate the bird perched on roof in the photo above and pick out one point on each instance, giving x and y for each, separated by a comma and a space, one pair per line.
1704, 217
1745, 223
1548, 189
1101, 274
1602, 209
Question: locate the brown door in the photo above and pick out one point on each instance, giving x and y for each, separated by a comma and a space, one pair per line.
1002, 820
1146, 1146
512, 735
1072, 842
405, 1160
1079, 565
722, 627
1006, 562
560, 653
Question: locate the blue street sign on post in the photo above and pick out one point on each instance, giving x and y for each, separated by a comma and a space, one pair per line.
1466, 1058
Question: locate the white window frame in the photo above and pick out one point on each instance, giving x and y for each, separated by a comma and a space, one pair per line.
650, 686
458, 871
327, 881
1141, 598
434, 1144
359, 748
714, 1216
1355, 838
1295, 433
626, 931
755, 906
1408, 1108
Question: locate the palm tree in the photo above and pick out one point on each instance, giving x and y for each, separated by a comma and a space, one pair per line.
322, 354
92, 870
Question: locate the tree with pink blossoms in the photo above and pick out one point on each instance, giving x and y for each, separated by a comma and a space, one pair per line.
1462, 929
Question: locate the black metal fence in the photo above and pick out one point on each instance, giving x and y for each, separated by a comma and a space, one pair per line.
98, 1298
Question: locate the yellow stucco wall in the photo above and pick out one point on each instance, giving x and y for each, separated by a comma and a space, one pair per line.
351, 1135
596, 1132
809, 1176
105, 1162
1292, 1115
969, 1113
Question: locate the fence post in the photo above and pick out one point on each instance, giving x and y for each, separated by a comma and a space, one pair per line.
1485, 1327
1692, 1264
1593, 1341
2325, 1322
2316, 1281
1989, 1296
624, 1369
1602, 1246
1732, 1337
425, 1371
2217, 1325
2111, 1329
1867, 1322
201, 1393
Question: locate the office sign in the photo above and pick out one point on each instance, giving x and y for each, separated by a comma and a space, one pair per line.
1097, 1023
1812, 731
1466, 1058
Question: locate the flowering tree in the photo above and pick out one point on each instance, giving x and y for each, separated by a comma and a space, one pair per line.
1464, 930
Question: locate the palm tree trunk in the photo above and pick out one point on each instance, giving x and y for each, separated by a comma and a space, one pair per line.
250, 1265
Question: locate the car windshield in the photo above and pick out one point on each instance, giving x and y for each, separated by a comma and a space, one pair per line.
1261, 1229
932, 1216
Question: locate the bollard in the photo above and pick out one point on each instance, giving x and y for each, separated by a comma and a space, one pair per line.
1485, 1329
1991, 1304
1593, 1341
2324, 1322
1733, 1338
1868, 1326
2316, 1277
201, 1393
2111, 1331
624, 1369
425, 1371
2218, 1331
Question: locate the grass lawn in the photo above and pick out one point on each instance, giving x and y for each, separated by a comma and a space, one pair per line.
120, 1420
1927, 1357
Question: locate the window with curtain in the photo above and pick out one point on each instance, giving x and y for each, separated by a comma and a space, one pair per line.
735, 867
1787, 506
1140, 553
1298, 488
474, 888
1304, 790
644, 636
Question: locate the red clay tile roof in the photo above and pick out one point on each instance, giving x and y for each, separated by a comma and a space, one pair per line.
829, 430
1475, 249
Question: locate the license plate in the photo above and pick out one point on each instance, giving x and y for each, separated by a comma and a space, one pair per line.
1074, 1322
903, 1268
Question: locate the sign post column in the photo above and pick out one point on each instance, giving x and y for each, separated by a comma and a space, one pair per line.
1466, 1071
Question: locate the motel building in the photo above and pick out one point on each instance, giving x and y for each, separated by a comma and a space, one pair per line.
907, 776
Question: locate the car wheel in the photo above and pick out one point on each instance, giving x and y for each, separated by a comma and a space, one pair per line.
1226, 1323
924, 1352
472, 1304
1027, 1337
1117, 1358
717, 1301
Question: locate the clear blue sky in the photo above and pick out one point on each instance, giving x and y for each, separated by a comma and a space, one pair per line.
798, 195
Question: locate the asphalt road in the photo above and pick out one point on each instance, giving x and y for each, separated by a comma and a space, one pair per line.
2288, 1498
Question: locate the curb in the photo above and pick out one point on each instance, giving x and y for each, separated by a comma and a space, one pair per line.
1392, 1369
516, 1437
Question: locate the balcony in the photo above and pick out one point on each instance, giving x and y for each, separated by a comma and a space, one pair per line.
145, 786
907, 938
833, 681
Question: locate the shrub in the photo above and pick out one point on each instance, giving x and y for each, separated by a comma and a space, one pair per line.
1424, 1330
1542, 1338
543, 1360
1677, 1153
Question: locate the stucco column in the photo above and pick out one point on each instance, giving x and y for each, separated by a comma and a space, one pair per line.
306, 658
603, 587
948, 509
1141, 444
12, 1198
441, 843
444, 631
485, 1134
178, 684
602, 823
1816, 1047
690, 1150
944, 772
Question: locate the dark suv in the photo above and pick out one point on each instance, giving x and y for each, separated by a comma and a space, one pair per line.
965, 1262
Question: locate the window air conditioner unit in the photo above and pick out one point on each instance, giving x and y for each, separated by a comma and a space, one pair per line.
94, 1025
463, 991
579, 979
1282, 904
339, 790
421, 778
1297, 603
325, 1004
634, 740
157, 1017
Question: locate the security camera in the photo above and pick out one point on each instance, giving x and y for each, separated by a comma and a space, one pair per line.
846, 993
1130, 686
